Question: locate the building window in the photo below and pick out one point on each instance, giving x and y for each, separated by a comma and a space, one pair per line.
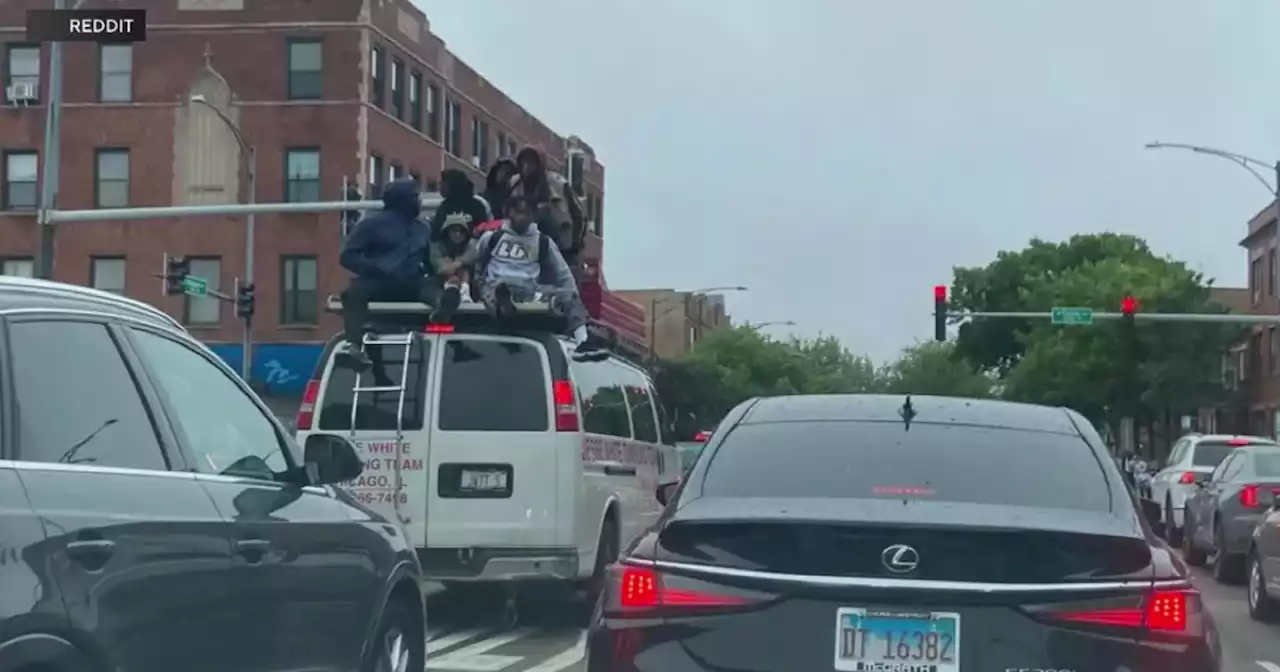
115, 73
1255, 280
204, 310
22, 267
20, 170
453, 129
22, 62
511, 148
107, 274
1271, 272
479, 144
298, 297
397, 88
415, 100
395, 173
378, 76
375, 176
111, 178
306, 69
302, 175
502, 146
433, 112
1275, 351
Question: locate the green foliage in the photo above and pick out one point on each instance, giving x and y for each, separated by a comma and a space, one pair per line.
933, 368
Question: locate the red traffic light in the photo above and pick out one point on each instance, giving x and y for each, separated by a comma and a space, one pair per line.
939, 292
1128, 305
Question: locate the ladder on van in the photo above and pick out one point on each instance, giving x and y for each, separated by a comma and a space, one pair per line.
407, 341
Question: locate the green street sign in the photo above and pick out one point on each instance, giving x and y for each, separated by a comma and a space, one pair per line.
195, 286
1070, 316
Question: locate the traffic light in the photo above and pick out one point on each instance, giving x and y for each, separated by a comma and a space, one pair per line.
175, 269
245, 300
940, 313
1128, 306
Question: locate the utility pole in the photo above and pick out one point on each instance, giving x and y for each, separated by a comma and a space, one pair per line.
51, 171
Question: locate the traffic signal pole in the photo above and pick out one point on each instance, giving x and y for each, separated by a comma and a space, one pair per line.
1220, 318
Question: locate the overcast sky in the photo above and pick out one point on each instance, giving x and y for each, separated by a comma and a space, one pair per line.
839, 157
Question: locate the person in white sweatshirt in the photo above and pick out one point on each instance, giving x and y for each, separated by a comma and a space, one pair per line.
517, 261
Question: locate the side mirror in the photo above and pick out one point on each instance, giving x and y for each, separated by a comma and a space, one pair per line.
331, 459
1267, 498
1152, 512
665, 492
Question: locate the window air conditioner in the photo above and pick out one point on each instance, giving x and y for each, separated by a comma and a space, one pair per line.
20, 92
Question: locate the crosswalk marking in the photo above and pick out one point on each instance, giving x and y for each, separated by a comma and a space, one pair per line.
475, 657
577, 652
1268, 665
453, 639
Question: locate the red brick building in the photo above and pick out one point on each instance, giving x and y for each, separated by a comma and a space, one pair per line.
325, 91
1257, 360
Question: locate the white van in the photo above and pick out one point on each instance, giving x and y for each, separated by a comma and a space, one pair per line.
517, 462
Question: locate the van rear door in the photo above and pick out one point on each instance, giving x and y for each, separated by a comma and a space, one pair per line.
494, 446
375, 432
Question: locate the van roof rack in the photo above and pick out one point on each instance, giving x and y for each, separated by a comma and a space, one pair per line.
473, 316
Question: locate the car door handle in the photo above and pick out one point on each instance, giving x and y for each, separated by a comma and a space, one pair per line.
613, 470
253, 549
91, 553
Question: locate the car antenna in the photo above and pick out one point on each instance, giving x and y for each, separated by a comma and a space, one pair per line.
908, 413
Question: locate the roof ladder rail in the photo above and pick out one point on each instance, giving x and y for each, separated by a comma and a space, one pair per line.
407, 341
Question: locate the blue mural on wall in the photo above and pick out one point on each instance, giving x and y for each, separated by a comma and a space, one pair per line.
278, 368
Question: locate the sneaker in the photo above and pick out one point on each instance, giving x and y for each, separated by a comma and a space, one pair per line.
503, 305
450, 299
356, 361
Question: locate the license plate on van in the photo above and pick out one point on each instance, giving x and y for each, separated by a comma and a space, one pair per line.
868, 640
475, 480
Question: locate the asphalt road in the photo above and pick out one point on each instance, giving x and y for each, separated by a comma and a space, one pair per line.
469, 636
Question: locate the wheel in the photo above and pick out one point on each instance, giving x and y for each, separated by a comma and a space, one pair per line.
1194, 556
1226, 567
1172, 533
1261, 606
606, 554
399, 644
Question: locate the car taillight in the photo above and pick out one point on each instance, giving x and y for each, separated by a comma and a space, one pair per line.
566, 410
1249, 496
1187, 478
438, 329
1158, 611
1237, 442
307, 410
641, 589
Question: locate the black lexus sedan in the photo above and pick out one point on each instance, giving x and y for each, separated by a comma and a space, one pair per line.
866, 533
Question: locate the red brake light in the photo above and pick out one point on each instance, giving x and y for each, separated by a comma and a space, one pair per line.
640, 588
1161, 610
307, 410
1187, 478
1249, 496
566, 410
701, 437
438, 329
1237, 442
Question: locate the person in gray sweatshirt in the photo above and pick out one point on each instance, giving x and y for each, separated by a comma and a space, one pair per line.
518, 261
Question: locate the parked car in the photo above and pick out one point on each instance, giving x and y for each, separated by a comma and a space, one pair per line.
1263, 560
1223, 512
154, 516
1191, 460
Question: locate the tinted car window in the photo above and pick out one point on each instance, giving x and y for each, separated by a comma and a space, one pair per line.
1210, 453
1267, 465
377, 410
643, 421
77, 401
604, 406
880, 459
493, 386
227, 432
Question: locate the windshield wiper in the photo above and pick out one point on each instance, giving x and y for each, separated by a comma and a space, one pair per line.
69, 456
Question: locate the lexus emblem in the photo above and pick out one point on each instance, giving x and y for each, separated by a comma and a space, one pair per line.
900, 558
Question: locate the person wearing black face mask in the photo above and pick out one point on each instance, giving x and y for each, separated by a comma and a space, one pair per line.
387, 252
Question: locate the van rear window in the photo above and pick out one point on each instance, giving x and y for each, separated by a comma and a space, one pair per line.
376, 410
493, 386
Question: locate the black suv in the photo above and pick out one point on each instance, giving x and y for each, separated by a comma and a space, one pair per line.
154, 516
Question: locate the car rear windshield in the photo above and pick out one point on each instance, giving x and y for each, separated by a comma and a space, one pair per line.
493, 386
1210, 453
955, 463
377, 410
1267, 465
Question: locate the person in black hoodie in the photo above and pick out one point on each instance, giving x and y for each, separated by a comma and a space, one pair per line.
387, 252
559, 213
498, 185
458, 200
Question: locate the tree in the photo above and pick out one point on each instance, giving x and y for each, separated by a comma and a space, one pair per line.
933, 368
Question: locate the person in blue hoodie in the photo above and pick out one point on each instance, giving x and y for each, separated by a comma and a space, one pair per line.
517, 262
387, 252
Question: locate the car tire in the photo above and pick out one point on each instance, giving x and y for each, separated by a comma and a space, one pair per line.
1226, 567
1261, 606
1194, 556
1172, 533
399, 644
606, 554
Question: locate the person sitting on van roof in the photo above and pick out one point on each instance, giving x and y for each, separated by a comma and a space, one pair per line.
498, 186
387, 252
458, 198
558, 212
453, 258
518, 261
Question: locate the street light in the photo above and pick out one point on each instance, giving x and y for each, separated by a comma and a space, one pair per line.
251, 172
773, 323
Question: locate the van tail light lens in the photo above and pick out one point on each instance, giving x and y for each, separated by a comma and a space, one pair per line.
1249, 496
638, 591
566, 407
1187, 478
438, 329
307, 410
1172, 611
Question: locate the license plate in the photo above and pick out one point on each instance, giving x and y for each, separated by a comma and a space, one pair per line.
883, 640
483, 480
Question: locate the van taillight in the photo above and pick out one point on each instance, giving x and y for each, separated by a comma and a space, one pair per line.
307, 410
566, 409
